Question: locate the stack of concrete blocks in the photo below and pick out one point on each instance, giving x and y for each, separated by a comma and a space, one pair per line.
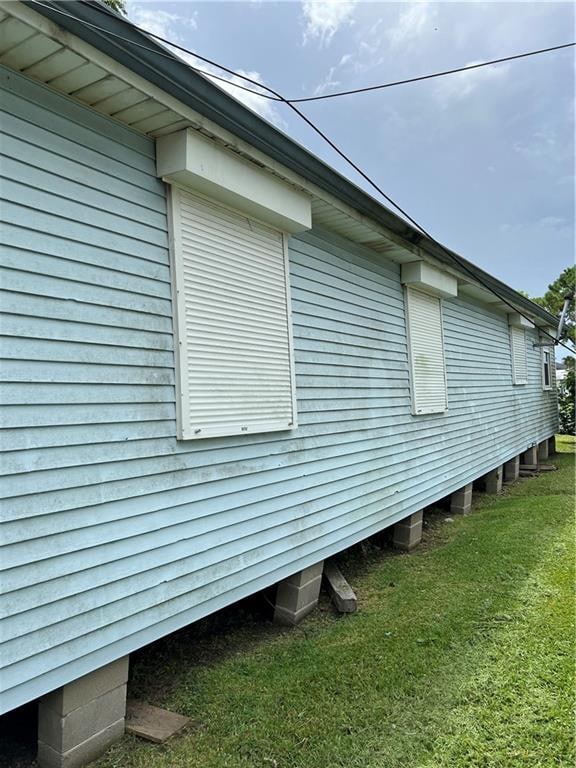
408, 532
552, 445
530, 457
512, 470
461, 501
543, 451
491, 482
78, 722
298, 595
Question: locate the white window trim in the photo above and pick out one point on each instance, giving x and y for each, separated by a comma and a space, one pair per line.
546, 387
516, 379
426, 411
179, 322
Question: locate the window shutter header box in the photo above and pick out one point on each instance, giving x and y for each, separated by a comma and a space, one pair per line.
516, 320
233, 328
425, 277
189, 159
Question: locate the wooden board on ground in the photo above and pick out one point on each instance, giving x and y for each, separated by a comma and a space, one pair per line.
152, 723
537, 468
341, 592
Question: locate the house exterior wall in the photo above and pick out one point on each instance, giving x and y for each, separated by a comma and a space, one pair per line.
114, 532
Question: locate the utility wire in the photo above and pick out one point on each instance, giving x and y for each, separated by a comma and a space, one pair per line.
431, 76
167, 54
273, 95
457, 260
460, 263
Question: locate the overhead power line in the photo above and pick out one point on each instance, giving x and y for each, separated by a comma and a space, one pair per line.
273, 95
419, 78
167, 54
457, 260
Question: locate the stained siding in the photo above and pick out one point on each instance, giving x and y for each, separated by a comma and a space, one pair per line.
115, 533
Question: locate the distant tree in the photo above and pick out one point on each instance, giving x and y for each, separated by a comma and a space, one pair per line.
117, 5
567, 398
553, 300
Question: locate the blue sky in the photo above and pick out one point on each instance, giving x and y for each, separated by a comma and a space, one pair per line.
484, 160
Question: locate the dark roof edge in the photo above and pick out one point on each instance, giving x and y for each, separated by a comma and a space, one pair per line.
176, 78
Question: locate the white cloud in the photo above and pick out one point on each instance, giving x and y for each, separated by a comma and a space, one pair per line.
542, 143
323, 18
170, 27
329, 83
412, 23
556, 223
160, 22
262, 106
461, 85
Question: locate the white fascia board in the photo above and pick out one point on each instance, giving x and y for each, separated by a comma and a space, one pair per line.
193, 161
519, 321
426, 278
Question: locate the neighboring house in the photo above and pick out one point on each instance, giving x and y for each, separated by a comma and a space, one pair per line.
224, 363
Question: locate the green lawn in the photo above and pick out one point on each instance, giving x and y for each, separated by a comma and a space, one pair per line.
461, 656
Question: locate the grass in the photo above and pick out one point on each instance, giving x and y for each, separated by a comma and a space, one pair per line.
461, 656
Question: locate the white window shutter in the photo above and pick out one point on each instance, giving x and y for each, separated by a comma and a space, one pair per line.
426, 348
233, 329
518, 344
546, 369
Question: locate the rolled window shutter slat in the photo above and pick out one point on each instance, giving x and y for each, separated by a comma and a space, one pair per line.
519, 366
426, 352
235, 361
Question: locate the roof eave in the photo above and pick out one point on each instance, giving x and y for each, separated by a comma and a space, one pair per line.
176, 78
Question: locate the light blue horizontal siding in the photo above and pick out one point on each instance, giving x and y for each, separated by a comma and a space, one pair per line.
114, 533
